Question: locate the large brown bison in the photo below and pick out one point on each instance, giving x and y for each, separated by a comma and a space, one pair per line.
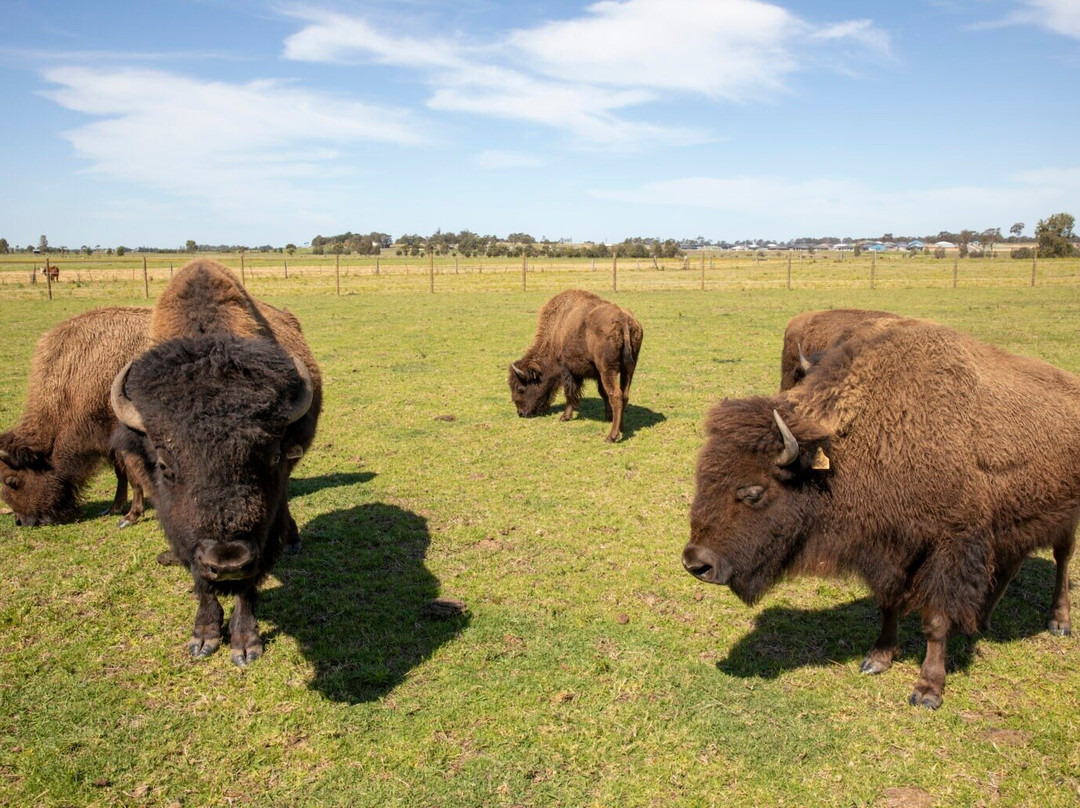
579, 336
922, 460
60, 441
217, 413
808, 335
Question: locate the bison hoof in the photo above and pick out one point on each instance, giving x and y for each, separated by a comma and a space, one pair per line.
929, 700
1060, 629
874, 666
247, 654
127, 521
204, 647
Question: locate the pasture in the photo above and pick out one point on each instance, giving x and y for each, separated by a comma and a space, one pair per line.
589, 668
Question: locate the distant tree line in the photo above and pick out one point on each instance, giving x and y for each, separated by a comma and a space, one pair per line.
1053, 237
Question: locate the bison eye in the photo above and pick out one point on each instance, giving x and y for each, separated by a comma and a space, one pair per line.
11, 482
750, 494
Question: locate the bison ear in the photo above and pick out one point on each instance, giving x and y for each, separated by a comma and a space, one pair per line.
811, 453
19, 455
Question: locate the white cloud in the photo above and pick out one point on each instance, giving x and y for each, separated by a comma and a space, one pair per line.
213, 140
585, 75
799, 208
1060, 16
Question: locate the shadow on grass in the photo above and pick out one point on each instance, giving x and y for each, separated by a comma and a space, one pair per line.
300, 486
634, 417
353, 598
786, 638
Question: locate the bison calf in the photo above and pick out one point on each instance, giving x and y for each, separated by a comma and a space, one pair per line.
922, 460
58, 444
579, 336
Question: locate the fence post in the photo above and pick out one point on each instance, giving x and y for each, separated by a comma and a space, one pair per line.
873, 267
48, 276
286, 269
614, 272
524, 268
703, 273
243, 278
955, 269
337, 274
789, 271
431, 270
1034, 262
145, 279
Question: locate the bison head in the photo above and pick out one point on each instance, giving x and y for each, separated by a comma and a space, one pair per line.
757, 495
530, 389
217, 422
36, 492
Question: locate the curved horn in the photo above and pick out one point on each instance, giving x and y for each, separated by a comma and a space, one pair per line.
791, 446
520, 373
6, 456
303, 400
804, 363
122, 405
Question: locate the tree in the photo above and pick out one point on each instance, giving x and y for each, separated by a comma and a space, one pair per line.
290, 248
121, 250
43, 244
190, 245
4, 248
1054, 235
1016, 230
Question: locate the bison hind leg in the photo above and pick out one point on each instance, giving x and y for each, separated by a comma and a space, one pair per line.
886, 647
1060, 621
244, 641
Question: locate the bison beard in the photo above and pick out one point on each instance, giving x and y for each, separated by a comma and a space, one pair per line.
927, 463
217, 423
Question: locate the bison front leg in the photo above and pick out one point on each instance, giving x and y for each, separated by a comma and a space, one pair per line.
930, 685
886, 646
244, 640
206, 637
572, 391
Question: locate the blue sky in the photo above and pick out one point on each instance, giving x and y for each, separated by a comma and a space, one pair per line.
252, 122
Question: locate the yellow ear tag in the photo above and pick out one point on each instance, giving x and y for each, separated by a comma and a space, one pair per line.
821, 461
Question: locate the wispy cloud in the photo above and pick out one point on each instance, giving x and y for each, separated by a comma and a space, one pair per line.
594, 76
814, 206
494, 160
1059, 16
196, 137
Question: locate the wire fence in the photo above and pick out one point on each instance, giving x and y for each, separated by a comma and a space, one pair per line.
145, 276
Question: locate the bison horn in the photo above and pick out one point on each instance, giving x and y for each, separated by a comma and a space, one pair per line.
122, 405
521, 373
791, 446
304, 398
804, 363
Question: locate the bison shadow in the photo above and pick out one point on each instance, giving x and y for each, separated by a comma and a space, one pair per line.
353, 601
634, 417
301, 486
786, 638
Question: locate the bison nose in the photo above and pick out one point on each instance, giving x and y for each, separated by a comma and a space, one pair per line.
706, 564
225, 561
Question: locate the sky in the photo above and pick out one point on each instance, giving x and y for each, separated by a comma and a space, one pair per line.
253, 122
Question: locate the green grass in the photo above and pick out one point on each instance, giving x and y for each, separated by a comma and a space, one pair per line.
590, 669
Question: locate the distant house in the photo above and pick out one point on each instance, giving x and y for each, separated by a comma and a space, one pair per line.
946, 244
875, 246
916, 244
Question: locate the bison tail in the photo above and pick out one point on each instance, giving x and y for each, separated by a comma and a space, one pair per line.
629, 356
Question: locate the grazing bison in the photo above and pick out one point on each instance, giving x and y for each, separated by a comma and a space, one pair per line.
217, 413
58, 444
922, 460
810, 333
579, 336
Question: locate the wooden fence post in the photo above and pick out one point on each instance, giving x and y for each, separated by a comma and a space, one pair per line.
431, 270
145, 279
337, 274
243, 279
48, 276
955, 269
1034, 262
614, 272
524, 268
286, 269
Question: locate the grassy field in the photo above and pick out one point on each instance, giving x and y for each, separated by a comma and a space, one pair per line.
589, 670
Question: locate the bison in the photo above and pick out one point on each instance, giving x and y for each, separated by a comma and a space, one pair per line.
579, 336
917, 458
217, 413
64, 433
810, 333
